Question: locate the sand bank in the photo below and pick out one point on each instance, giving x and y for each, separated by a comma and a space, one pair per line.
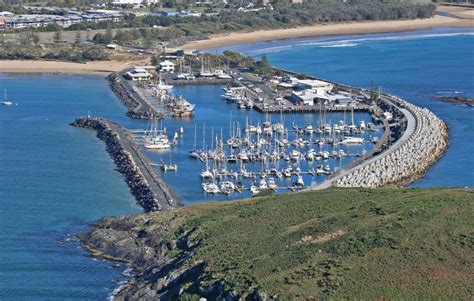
96, 67
452, 17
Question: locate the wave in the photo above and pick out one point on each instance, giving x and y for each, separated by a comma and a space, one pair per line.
356, 41
450, 92
340, 45
121, 284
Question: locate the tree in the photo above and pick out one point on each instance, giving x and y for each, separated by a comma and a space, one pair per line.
108, 35
57, 36
264, 65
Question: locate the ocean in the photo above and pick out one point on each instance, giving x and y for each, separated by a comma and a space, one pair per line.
56, 179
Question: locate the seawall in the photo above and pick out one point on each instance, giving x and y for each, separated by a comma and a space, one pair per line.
423, 142
145, 184
137, 107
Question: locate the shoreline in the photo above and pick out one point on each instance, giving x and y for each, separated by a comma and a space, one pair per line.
59, 67
456, 17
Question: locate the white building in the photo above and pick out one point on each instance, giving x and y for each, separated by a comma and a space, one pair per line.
304, 84
138, 74
167, 66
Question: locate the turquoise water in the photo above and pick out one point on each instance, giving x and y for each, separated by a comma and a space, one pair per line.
56, 179
413, 65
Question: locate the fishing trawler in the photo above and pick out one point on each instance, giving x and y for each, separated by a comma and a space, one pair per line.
180, 108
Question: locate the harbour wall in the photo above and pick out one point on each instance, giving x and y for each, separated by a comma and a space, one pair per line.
149, 190
137, 107
423, 142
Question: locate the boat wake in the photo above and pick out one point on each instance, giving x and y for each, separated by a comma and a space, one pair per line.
340, 45
450, 92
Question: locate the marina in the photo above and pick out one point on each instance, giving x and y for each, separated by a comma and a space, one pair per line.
236, 146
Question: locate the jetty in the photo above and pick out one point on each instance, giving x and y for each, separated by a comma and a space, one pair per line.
138, 106
149, 189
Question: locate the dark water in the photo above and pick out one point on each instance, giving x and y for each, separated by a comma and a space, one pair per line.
55, 178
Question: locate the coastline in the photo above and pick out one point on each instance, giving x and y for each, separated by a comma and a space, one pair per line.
57, 67
455, 17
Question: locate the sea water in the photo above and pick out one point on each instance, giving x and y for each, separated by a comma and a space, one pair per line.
55, 179
414, 65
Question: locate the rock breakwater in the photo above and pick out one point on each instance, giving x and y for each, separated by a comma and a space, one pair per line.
150, 191
136, 107
424, 141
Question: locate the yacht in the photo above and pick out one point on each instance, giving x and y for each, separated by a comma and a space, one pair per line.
308, 129
262, 184
271, 184
352, 140
5, 102
299, 181
254, 190
295, 155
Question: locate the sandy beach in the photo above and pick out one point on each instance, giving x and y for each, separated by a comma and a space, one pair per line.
96, 67
453, 17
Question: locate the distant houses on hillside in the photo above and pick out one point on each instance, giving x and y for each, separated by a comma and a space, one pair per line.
11, 21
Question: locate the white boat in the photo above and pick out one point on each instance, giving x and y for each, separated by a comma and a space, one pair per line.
311, 155
254, 190
308, 129
227, 187
262, 184
362, 126
211, 188
295, 155
287, 173
352, 140
206, 174
299, 181
156, 139
161, 86
5, 102
271, 183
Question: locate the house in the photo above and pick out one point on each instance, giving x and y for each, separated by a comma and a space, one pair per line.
138, 74
167, 66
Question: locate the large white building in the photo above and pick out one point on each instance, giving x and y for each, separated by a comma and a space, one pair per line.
167, 66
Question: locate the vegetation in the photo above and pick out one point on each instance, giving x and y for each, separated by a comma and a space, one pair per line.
283, 15
340, 244
60, 51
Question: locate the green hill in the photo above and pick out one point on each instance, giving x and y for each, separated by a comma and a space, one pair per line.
335, 244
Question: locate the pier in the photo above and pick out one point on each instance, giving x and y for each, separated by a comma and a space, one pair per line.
138, 106
146, 185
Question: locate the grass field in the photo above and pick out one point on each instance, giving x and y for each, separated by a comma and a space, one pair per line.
332, 244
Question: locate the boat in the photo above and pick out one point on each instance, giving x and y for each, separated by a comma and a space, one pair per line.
362, 126
262, 184
254, 190
352, 140
5, 102
161, 86
299, 181
271, 183
211, 188
295, 155
308, 129
311, 155
156, 139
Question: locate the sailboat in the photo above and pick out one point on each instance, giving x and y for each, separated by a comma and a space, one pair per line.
156, 139
5, 102
169, 167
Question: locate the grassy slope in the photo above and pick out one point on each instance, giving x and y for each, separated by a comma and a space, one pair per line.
399, 244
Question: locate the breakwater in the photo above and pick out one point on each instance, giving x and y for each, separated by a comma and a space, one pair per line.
137, 107
150, 191
423, 142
